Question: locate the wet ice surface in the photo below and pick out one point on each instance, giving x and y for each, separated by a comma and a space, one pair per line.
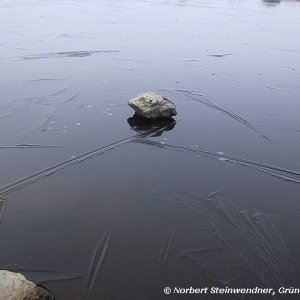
97, 204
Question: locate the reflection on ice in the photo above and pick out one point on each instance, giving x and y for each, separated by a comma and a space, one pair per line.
141, 124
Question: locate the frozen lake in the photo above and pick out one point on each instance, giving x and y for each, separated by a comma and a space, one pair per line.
96, 206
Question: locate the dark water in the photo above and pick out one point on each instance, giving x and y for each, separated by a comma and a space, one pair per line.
94, 204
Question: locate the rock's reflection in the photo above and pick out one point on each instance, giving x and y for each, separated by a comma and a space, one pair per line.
140, 124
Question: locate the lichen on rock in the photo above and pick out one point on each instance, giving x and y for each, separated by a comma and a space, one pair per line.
152, 106
14, 286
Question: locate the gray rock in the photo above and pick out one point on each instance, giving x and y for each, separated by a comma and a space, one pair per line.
14, 286
152, 106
